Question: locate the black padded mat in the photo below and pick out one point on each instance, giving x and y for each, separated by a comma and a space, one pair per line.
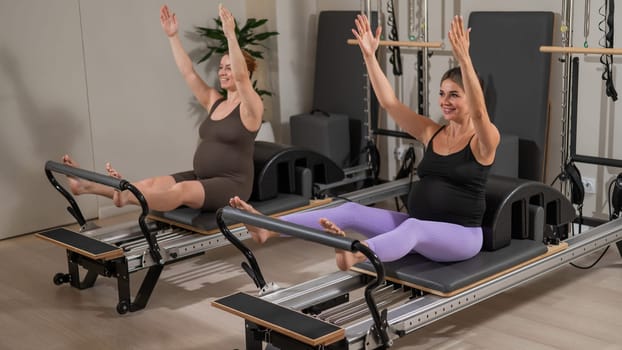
207, 220
75, 241
284, 319
347, 94
505, 47
448, 277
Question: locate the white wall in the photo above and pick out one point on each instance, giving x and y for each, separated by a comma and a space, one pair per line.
43, 108
297, 24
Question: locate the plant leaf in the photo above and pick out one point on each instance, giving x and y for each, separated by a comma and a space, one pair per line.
265, 35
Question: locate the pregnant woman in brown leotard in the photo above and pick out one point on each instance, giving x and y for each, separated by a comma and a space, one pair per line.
223, 162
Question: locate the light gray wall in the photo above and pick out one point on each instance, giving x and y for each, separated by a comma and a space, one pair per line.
43, 108
96, 79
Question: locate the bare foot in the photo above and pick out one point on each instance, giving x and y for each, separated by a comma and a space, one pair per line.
76, 185
344, 259
119, 198
112, 171
330, 227
259, 235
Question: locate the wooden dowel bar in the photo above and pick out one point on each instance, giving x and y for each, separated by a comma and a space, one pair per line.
428, 44
581, 50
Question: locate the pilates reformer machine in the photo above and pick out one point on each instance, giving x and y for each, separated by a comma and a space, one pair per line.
526, 228
284, 179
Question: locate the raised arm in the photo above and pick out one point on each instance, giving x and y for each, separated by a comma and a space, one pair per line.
487, 135
251, 105
205, 94
413, 123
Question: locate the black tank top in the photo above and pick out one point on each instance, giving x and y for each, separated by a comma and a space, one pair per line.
451, 188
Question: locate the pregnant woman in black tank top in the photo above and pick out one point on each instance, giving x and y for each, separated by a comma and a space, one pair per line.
447, 205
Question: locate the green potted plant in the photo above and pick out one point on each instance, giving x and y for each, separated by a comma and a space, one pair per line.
247, 38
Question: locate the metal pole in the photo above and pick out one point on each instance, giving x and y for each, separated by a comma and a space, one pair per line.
425, 79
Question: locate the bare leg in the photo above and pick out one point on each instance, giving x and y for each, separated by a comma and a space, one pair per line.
345, 259
81, 186
259, 235
162, 193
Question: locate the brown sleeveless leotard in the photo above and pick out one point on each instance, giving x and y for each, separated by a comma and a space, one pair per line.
223, 160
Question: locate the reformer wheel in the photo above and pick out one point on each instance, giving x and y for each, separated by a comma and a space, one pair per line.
61, 278
123, 307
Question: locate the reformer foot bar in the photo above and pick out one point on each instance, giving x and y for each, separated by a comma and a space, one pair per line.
159, 239
417, 292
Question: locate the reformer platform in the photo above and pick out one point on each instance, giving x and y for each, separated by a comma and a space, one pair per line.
294, 324
414, 295
81, 244
159, 238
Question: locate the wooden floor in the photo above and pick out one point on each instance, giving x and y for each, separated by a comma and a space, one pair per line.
569, 309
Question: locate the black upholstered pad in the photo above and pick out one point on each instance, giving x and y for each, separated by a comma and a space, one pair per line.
505, 48
82, 244
299, 326
206, 221
334, 58
445, 278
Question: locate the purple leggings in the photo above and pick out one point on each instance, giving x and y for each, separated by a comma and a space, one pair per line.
392, 235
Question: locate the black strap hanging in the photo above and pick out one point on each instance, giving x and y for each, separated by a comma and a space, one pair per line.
607, 60
396, 55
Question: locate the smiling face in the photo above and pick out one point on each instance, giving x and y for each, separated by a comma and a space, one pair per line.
452, 100
225, 75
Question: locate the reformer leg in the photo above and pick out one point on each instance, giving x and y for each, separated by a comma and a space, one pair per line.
619, 245
252, 335
73, 277
144, 293
117, 268
256, 335
147, 287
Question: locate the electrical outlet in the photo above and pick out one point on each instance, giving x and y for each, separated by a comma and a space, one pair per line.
589, 185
